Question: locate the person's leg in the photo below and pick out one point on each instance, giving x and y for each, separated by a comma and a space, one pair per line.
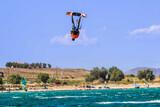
73, 24
79, 21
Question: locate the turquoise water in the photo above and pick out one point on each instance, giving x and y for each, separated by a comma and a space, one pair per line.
90, 98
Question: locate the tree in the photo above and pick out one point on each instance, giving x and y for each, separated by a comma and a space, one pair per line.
14, 79
37, 65
40, 65
26, 65
146, 74
141, 74
104, 74
44, 65
95, 72
1, 84
43, 77
1, 81
94, 75
14, 64
113, 69
149, 75
33, 65
116, 74
49, 66
9, 64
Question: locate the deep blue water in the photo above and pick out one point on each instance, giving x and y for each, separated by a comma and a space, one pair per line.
90, 98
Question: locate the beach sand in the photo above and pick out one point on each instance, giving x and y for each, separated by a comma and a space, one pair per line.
65, 87
111, 86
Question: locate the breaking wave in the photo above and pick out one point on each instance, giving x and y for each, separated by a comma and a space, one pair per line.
130, 102
60, 97
16, 97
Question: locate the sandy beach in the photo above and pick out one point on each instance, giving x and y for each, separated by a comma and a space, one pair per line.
109, 86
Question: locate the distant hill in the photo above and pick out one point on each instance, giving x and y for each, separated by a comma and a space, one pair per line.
62, 74
135, 70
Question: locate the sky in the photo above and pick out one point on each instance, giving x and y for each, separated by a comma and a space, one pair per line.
120, 33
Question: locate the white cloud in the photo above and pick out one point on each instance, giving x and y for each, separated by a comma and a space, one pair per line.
66, 40
154, 29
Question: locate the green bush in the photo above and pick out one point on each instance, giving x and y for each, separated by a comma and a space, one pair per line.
14, 79
1, 81
65, 83
51, 80
146, 74
104, 75
43, 77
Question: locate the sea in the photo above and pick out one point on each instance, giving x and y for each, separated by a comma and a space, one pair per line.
149, 97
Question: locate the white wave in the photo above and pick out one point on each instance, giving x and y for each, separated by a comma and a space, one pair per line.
70, 96
41, 97
97, 93
130, 102
59, 97
16, 97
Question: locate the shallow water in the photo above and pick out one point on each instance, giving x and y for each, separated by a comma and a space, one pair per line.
90, 98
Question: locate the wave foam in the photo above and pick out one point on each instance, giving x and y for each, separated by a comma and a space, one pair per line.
16, 97
41, 97
70, 96
130, 102
59, 97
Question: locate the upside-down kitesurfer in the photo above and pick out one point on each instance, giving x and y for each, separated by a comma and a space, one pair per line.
75, 27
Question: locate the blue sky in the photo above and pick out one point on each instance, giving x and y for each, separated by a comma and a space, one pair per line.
120, 33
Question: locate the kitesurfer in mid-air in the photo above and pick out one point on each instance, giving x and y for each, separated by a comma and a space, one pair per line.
75, 27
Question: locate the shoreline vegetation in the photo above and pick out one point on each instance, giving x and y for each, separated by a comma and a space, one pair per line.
20, 77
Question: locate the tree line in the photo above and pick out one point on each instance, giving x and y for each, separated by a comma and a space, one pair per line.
115, 74
146, 75
104, 75
27, 65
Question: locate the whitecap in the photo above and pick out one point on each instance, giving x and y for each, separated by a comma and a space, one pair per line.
16, 97
130, 102
41, 97
60, 97
69, 96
